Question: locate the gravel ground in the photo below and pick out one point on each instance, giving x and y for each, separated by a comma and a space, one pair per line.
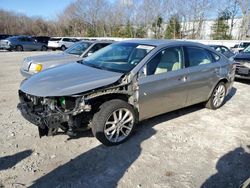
192, 147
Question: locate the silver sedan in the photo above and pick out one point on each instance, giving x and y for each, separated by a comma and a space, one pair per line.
124, 83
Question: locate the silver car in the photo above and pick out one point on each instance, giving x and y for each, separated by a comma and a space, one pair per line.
124, 83
78, 51
22, 43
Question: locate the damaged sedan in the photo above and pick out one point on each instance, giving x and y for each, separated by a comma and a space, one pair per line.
122, 84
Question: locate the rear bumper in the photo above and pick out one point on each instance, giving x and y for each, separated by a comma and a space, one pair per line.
242, 72
242, 77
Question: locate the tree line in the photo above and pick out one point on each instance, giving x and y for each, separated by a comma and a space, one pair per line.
135, 18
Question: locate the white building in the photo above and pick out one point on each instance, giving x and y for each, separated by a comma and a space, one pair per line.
205, 31
206, 28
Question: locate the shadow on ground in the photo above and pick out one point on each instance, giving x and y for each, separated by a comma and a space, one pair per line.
11, 160
231, 94
233, 169
104, 166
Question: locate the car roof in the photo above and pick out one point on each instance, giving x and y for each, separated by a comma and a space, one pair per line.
217, 45
159, 42
98, 41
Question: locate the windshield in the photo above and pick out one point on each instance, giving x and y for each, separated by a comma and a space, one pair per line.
121, 57
244, 44
247, 50
78, 48
55, 39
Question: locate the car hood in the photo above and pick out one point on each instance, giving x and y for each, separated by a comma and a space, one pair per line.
52, 57
242, 56
67, 80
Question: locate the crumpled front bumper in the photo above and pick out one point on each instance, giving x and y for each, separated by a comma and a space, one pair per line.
50, 121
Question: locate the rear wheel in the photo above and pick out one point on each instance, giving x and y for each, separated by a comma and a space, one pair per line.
44, 48
19, 48
63, 48
218, 96
114, 122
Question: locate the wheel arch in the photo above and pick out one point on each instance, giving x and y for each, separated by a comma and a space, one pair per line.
98, 101
226, 82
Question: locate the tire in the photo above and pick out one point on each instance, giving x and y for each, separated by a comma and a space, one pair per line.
19, 48
63, 48
44, 48
217, 97
120, 130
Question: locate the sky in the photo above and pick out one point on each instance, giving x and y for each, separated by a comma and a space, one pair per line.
47, 9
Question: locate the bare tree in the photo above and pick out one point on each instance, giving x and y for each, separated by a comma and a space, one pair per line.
245, 9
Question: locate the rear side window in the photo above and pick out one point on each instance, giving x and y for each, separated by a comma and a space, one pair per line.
215, 57
23, 39
198, 56
67, 40
55, 39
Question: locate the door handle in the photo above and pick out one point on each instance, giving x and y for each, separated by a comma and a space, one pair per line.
183, 78
216, 70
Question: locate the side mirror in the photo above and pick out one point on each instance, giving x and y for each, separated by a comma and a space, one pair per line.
143, 72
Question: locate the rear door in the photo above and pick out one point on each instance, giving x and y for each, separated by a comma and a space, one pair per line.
203, 70
33, 45
163, 87
23, 41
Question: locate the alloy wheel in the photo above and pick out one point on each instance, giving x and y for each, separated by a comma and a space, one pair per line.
219, 95
119, 125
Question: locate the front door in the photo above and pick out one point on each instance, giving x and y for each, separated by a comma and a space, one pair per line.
163, 87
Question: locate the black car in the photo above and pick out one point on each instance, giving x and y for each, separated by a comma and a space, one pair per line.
242, 61
42, 39
223, 49
4, 36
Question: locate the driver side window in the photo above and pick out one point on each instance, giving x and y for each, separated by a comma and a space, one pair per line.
167, 60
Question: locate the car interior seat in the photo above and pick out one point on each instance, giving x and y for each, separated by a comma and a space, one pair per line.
169, 62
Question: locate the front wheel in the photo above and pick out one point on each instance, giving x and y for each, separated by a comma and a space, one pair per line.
218, 96
114, 123
19, 48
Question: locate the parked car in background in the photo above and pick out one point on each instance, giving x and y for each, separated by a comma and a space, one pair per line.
124, 83
223, 49
242, 61
4, 36
22, 43
61, 43
42, 39
79, 50
240, 47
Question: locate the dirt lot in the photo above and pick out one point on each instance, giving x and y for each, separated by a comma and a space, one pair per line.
192, 147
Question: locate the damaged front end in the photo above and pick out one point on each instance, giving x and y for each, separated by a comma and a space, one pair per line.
73, 112
51, 113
